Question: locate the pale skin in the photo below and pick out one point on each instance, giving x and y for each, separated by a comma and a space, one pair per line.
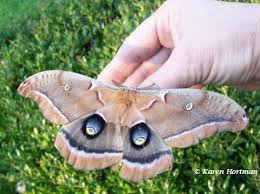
189, 42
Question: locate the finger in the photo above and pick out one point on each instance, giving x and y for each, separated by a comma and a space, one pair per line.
249, 86
147, 68
176, 72
197, 86
138, 47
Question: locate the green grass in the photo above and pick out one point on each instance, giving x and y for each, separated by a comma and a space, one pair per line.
82, 36
14, 14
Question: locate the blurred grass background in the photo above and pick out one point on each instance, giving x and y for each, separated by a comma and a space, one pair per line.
82, 36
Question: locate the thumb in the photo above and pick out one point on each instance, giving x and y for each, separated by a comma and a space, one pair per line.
181, 70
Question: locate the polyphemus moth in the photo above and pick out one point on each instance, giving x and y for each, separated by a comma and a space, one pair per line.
106, 125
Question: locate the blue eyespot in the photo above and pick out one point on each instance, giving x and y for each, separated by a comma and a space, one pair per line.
93, 126
139, 135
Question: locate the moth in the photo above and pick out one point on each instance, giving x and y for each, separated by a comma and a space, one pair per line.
110, 126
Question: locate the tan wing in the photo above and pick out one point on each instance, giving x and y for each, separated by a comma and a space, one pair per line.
182, 117
88, 152
145, 161
62, 96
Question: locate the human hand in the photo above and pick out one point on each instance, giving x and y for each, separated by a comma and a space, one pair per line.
188, 42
